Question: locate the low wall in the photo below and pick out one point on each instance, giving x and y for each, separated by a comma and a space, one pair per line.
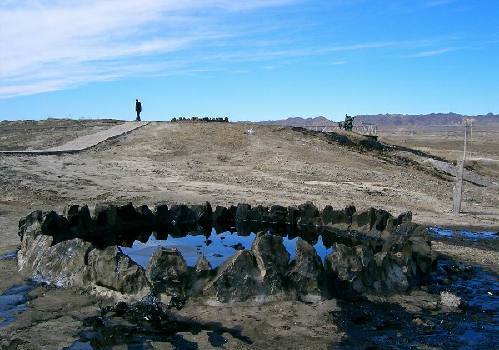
373, 252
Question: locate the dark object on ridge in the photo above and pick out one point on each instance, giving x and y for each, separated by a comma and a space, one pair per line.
138, 109
348, 124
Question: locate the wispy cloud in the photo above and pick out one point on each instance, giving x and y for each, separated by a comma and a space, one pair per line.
432, 52
50, 45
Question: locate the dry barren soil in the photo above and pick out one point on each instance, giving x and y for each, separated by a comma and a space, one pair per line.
223, 163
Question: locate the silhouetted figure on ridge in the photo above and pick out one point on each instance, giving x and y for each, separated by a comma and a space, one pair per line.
348, 125
138, 109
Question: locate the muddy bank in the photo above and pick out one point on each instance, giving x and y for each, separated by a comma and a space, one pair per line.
419, 319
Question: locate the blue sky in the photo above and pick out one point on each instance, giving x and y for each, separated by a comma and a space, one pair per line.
249, 60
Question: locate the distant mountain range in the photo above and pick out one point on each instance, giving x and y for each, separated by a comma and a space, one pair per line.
401, 120
393, 120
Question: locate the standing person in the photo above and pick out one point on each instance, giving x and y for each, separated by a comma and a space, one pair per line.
348, 123
138, 109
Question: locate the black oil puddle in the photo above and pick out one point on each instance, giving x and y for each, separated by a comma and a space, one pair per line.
370, 325
13, 301
138, 325
216, 247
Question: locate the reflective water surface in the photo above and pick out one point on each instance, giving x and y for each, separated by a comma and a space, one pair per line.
13, 301
466, 234
216, 247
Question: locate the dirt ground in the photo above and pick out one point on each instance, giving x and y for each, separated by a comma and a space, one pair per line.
448, 142
223, 164
30, 134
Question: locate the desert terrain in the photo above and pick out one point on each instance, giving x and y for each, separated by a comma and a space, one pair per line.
223, 163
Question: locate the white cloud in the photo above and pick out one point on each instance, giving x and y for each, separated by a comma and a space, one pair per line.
432, 52
50, 45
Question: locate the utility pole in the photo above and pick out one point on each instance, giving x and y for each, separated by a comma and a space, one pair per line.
458, 186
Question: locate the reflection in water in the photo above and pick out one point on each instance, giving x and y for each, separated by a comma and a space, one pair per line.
472, 235
215, 247
380, 325
13, 301
9, 256
367, 324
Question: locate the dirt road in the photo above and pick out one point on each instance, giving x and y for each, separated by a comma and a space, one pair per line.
81, 143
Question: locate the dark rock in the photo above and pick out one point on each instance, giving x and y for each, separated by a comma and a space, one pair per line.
203, 214
392, 222
242, 212
168, 273
181, 215
391, 225
375, 252
203, 271
203, 266
272, 261
409, 229
292, 216
381, 219
421, 253
162, 215
404, 218
327, 215
106, 216
404, 260
364, 221
278, 214
147, 217
307, 272
391, 273
345, 270
258, 214
224, 217
32, 218
340, 217
349, 211
237, 246
71, 212
374, 222
80, 221
412, 241
120, 224
308, 215
238, 279
112, 269
56, 226
62, 264
103, 214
